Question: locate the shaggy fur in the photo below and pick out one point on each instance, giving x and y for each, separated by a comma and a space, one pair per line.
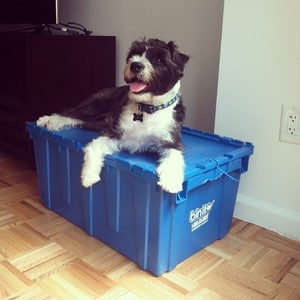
144, 115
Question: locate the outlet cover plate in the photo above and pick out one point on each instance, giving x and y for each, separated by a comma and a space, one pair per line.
290, 123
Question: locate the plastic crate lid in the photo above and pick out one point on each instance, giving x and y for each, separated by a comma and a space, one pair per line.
202, 151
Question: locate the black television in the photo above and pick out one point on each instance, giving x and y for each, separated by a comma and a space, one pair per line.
35, 12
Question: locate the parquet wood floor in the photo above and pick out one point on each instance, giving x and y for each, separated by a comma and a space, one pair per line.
42, 256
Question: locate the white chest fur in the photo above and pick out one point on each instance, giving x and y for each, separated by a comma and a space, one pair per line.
151, 132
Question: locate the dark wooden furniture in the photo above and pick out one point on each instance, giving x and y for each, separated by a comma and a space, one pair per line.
42, 73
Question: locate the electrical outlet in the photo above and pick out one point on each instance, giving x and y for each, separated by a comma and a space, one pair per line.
292, 122
289, 126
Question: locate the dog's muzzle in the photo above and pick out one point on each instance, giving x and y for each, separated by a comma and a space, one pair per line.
136, 67
138, 75
136, 83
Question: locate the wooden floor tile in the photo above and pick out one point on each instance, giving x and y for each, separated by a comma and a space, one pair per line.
205, 293
77, 281
24, 210
284, 293
227, 247
8, 219
264, 261
19, 239
119, 293
33, 292
236, 283
110, 262
43, 261
12, 281
50, 224
143, 284
77, 242
199, 265
280, 243
244, 229
293, 281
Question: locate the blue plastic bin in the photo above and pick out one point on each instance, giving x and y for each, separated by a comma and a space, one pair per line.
127, 210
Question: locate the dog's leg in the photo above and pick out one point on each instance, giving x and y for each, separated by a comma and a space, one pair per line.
171, 170
57, 122
94, 154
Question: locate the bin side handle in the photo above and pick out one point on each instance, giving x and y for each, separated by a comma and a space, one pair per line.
201, 179
189, 185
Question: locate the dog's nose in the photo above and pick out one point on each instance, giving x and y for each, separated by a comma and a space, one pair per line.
136, 67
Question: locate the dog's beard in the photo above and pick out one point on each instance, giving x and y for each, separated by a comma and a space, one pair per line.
139, 81
150, 79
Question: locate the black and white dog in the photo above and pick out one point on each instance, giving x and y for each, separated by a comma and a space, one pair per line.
145, 115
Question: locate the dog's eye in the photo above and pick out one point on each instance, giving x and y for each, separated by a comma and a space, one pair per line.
158, 60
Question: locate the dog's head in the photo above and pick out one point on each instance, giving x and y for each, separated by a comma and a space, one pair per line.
153, 66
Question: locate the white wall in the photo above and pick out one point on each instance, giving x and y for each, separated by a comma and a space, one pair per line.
259, 71
194, 25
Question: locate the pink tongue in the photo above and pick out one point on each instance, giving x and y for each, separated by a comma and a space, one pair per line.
137, 86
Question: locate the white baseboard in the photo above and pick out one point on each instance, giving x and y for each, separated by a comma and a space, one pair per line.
275, 218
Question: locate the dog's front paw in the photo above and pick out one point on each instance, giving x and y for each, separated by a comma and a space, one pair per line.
90, 173
89, 178
170, 179
43, 121
171, 171
52, 122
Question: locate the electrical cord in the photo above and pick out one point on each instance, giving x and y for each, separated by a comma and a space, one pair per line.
70, 28
77, 26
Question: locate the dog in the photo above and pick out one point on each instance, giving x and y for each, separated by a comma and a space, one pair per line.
144, 115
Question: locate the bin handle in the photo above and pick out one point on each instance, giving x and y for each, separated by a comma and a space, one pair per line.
195, 181
188, 185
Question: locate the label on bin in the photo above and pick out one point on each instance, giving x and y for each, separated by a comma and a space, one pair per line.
199, 216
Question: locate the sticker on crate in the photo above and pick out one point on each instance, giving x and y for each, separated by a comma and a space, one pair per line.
200, 215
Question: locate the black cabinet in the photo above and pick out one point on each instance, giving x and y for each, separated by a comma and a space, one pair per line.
41, 74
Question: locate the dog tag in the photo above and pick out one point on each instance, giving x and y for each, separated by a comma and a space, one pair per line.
138, 117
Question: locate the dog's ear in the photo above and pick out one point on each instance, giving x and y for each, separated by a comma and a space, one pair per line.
179, 59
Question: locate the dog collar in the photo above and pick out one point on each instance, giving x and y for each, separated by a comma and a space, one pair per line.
151, 109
